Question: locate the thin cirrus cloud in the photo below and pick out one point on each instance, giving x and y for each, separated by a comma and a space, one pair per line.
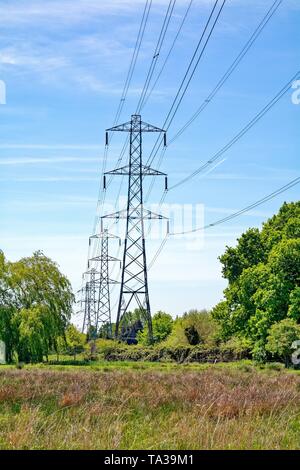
73, 12
48, 179
38, 161
9, 146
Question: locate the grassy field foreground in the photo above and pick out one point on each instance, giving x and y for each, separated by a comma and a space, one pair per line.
212, 408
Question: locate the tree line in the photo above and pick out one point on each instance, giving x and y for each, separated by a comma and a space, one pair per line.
260, 310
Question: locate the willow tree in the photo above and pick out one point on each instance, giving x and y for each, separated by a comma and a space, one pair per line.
35, 306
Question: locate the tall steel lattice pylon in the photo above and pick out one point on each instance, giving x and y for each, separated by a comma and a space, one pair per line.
90, 321
134, 279
97, 317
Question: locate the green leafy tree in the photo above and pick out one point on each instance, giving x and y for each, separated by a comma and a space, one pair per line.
162, 324
75, 340
194, 327
263, 273
35, 306
281, 337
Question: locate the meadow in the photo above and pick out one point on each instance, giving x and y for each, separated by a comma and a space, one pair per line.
125, 405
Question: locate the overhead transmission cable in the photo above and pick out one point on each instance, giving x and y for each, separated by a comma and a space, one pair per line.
277, 97
267, 198
246, 209
156, 54
130, 72
240, 134
140, 36
187, 78
263, 23
193, 64
151, 70
169, 53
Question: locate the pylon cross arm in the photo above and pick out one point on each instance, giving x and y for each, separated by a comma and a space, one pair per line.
125, 170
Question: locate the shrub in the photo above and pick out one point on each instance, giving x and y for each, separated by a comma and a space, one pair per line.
281, 338
194, 327
162, 324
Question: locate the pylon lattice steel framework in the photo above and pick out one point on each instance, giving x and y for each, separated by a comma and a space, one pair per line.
97, 312
90, 320
134, 279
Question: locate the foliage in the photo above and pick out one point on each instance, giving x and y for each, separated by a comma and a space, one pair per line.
131, 324
161, 326
263, 272
180, 354
192, 322
75, 340
192, 335
281, 337
35, 306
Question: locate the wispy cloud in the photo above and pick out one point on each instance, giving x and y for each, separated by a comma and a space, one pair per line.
46, 160
52, 146
49, 179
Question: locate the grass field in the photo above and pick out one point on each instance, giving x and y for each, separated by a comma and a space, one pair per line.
149, 406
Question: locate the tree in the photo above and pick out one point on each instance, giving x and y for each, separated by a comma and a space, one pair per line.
194, 327
263, 273
35, 306
281, 338
75, 340
161, 325
249, 252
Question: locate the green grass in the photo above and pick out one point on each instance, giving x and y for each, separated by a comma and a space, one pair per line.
106, 405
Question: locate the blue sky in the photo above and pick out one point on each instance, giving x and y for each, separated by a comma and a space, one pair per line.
64, 64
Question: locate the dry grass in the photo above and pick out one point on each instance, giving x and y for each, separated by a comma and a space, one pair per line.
210, 409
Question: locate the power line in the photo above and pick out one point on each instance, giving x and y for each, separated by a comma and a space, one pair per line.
265, 199
140, 36
185, 84
158, 47
156, 54
134, 57
132, 66
169, 53
158, 252
128, 79
221, 82
158, 143
240, 134
232, 67
246, 209
188, 69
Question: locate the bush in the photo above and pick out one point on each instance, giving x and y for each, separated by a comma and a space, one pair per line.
281, 338
162, 324
174, 354
194, 327
259, 353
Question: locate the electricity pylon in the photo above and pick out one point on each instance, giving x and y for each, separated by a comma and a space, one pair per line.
134, 279
90, 321
97, 316
104, 310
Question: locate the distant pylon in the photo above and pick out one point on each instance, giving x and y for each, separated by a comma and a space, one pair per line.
134, 279
104, 326
97, 312
90, 321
